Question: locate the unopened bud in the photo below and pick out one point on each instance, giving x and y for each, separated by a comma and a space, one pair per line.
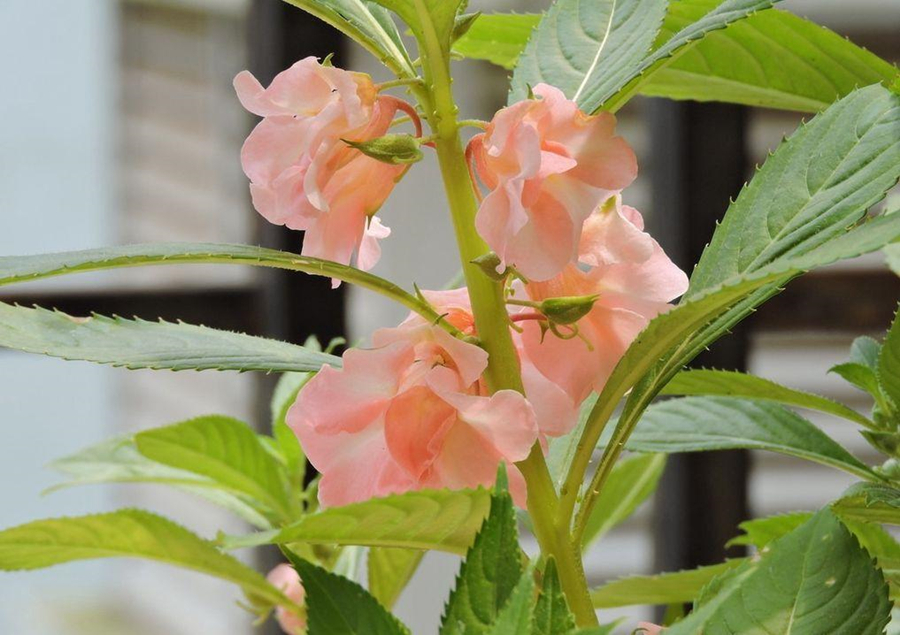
490, 264
391, 148
463, 24
568, 310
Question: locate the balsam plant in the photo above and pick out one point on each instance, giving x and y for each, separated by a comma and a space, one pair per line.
550, 356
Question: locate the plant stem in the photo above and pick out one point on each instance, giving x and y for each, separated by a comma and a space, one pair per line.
489, 310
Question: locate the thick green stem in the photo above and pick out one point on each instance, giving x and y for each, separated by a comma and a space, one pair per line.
489, 310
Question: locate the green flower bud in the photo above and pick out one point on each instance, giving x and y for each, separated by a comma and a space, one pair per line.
391, 148
568, 310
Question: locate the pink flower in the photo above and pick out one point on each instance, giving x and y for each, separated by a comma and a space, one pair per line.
302, 173
648, 628
547, 165
285, 578
635, 281
410, 414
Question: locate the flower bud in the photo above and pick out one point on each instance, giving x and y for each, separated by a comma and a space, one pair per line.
394, 149
491, 265
569, 309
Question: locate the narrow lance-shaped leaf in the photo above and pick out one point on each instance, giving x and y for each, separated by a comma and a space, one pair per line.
723, 14
517, 615
551, 613
118, 461
817, 579
813, 67
368, 24
223, 449
338, 606
696, 424
811, 190
441, 519
677, 587
889, 364
488, 575
735, 384
159, 345
127, 533
24, 268
870, 502
427, 18
588, 48
631, 482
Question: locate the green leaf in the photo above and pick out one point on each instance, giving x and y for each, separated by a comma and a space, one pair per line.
893, 257
368, 24
870, 502
696, 424
118, 461
389, 571
135, 344
630, 483
338, 606
735, 384
23, 268
551, 613
888, 371
497, 37
488, 575
443, 520
759, 532
223, 449
588, 48
862, 367
283, 397
663, 588
812, 189
817, 579
127, 533
562, 449
723, 14
517, 615
771, 59
438, 21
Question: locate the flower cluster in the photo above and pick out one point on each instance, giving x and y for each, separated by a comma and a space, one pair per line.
303, 173
413, 411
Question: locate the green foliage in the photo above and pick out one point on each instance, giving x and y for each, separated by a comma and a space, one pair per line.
813, 66
389, 570
283, 397
664, 588
135, 344
893, 256
437, 22
734, 64
588, 48
489, 574
367, 23
722, 15
862, 366
630, 483
118, 461
23, 268
563, 449
225, 450
551, 613
735, 384
816, 579
888, 369
127, 533
497, 37
516, 617
696, 424
759, 532
338, 606
812, 189
440, 519
870, 502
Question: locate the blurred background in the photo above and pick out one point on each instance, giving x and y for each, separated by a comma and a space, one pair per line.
118, 124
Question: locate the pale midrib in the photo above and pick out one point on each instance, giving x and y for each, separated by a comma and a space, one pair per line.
596, 60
